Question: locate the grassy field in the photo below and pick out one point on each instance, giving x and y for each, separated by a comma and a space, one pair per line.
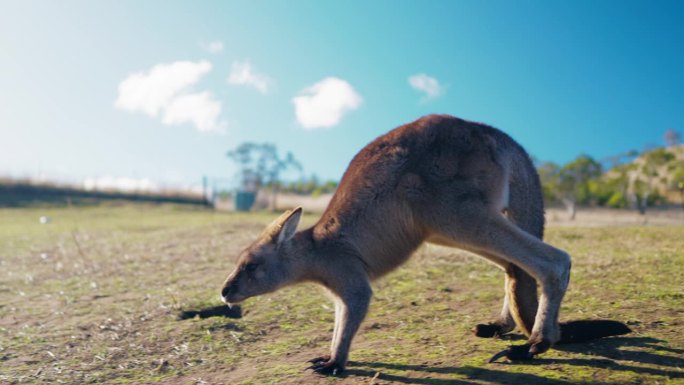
94, 296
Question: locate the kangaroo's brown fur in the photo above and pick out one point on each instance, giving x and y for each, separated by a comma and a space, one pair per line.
439, 179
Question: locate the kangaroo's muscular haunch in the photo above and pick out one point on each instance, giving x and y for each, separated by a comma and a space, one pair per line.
439, 179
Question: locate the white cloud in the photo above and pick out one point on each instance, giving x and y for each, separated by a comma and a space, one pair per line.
199, 109
166, 90
215, 46
426, 84
325, 103
150, 91
242, 73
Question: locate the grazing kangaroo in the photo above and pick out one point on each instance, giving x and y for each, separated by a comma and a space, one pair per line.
442, 180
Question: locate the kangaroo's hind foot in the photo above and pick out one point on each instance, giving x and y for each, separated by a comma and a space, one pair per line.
492, 330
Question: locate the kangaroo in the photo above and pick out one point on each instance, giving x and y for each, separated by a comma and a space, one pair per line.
441, 180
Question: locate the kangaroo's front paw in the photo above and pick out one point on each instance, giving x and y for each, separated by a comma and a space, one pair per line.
487, 330
326, 366
316, 360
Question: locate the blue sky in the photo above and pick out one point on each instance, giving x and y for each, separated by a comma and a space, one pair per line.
561, 77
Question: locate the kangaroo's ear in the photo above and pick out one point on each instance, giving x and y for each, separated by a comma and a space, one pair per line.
284, 228
288, 228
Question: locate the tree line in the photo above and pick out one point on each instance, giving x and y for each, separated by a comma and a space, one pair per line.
629, 180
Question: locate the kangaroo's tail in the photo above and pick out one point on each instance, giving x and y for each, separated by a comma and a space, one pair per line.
586, 330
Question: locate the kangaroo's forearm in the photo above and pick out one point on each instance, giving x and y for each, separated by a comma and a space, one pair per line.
353, 309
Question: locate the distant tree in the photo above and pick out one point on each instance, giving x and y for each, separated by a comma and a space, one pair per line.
326, 188
643, 190
549, 173
311, 186
672, 138
613, 188
261, 165
577, 182
678, 184
616, 160
244, 156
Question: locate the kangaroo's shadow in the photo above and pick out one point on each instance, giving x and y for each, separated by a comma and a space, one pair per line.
372, 369
612, 348
215, 311
603, 355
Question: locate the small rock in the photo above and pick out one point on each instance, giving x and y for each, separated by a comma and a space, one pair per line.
163, 364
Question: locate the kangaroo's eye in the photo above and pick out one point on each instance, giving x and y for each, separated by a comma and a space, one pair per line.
250, 267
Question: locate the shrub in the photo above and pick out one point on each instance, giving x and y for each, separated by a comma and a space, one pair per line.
617, 200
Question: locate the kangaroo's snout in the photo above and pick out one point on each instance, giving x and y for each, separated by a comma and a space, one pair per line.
229, 292
226, 292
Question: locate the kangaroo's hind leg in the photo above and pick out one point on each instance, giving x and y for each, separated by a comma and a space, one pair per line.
480, 230
525, 210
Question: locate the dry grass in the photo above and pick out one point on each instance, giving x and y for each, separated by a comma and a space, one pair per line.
94, 297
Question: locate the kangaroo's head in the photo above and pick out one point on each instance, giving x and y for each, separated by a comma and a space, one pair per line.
266, 264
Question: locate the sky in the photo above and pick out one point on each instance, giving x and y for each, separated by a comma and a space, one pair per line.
156, 92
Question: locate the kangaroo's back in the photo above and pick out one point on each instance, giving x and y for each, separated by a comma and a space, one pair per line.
415, 169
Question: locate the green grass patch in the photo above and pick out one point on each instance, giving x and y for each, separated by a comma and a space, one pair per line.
94, 296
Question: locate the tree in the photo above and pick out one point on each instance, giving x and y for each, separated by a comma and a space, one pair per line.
549, 177
577, 181
614, 187
672, 138
261, 165
678, 183
617, 160
643, 191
